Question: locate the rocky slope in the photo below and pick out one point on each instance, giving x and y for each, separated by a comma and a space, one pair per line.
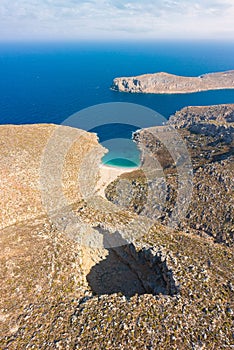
80, 272
26, 154
207, 133
165, 83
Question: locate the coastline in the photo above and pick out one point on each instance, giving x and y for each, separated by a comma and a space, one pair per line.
109, 174
166, 92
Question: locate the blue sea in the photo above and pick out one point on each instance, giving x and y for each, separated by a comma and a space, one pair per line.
48, 82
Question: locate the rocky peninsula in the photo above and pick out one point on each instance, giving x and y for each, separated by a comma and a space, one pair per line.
165, 83
70, 278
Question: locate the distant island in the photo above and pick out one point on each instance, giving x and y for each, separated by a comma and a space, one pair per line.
165, 83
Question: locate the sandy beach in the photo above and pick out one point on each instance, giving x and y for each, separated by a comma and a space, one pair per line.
109, 174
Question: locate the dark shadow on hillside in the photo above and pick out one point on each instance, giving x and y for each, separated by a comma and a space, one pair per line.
126, 271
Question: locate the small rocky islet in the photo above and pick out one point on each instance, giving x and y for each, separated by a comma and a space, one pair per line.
87, 272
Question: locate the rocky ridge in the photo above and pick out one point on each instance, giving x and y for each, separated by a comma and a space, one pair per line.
216, 121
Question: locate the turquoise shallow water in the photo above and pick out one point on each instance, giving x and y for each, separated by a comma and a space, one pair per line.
121, 162
46, 83
124, 153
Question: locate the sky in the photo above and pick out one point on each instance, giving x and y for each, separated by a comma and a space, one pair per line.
116, 19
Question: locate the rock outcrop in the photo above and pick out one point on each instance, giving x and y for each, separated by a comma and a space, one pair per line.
216, 121
165, 83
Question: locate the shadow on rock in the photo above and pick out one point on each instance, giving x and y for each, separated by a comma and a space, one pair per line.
128, 271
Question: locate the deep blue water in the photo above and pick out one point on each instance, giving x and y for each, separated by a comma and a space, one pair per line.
46, 83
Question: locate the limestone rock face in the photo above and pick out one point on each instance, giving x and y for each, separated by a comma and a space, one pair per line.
165, 83
216, 121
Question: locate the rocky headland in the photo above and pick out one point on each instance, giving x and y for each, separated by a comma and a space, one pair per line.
165, 83
208, 135
79, 271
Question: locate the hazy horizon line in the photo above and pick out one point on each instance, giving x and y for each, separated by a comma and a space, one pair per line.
114, 40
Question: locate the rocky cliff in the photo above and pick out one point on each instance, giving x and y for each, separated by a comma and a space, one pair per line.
165, 83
